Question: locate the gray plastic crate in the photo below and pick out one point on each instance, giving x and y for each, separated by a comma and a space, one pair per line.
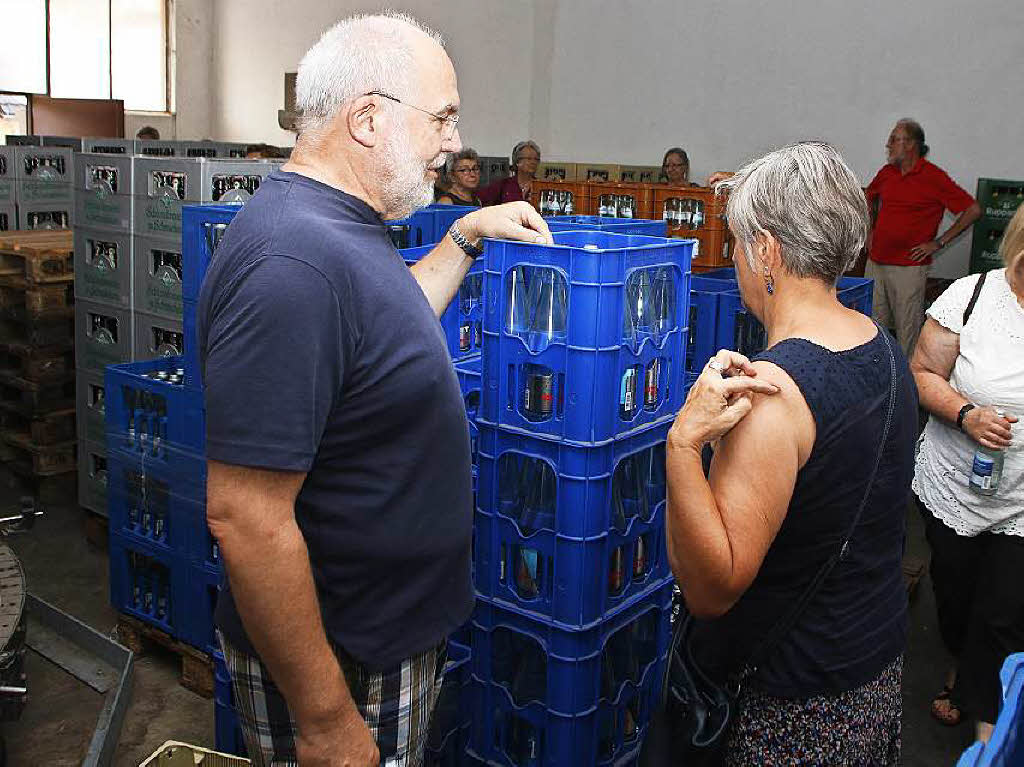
59, 216
115, 146
158, 337
52, 164
157, 277
97, 209
73, 143
103, 335
90, 399
112, 173
206, 149
8, 217
8, 174
232, 150
103, 266
151, 148
22, 140
92, 477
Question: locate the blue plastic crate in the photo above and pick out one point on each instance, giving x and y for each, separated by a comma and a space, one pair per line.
149, 584
152, 416
160, 507
593, 487
702, 338
569, 670
592, 376
611, 679
415, 231
227, 732
1006, 746
190, 331
203, 586
572, 582
446, 215
856, 293
449, 724
201, 229
643, 226
462, 321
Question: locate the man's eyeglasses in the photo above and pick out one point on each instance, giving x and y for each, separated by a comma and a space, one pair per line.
449, 123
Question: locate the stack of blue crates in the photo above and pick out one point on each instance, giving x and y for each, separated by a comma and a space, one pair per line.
1005, 747
719, 320
582, 373
164, 564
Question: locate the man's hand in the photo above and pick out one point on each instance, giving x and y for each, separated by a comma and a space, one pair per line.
512, 221
344, 741
721, 175
925, 249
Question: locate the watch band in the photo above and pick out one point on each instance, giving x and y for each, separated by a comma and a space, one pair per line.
459, 239
963, 412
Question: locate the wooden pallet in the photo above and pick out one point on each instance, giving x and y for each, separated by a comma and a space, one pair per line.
40, 365
35, 258
39, 333
32, 398
53, 490
196, 666
41, 460
39, 302
41, 428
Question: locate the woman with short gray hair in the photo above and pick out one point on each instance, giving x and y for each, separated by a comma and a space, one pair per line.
462, 171
788, 554
525, 159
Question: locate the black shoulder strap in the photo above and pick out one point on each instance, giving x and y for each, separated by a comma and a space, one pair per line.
782, 627
974, 296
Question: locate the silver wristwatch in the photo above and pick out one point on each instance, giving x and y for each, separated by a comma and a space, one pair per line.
459, 239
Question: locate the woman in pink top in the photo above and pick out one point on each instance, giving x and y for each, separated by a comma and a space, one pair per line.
525, 159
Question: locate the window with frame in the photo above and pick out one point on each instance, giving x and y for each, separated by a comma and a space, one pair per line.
89, 49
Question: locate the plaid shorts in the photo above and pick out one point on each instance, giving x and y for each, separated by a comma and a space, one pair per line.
396, 705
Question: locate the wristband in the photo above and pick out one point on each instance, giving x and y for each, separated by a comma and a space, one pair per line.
963, 412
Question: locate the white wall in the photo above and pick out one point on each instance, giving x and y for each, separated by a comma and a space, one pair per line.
731, 79
257, 41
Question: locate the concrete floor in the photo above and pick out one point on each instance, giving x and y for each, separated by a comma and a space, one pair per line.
62, 568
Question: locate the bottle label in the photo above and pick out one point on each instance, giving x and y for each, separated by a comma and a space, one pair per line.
626, 394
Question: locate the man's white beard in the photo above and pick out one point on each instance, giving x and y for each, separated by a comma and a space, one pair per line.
405, 186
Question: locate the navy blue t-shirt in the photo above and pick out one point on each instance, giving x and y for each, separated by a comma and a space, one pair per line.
321, 354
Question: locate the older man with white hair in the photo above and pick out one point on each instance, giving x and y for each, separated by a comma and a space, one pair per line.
338, 453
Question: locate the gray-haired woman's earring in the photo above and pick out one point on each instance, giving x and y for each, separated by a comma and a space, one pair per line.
769, 281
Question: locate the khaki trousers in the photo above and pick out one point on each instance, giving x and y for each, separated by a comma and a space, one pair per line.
898, 300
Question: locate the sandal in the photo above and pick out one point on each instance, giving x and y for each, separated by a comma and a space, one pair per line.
944, 710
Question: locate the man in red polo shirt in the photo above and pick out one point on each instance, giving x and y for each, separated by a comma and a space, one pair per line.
911, 195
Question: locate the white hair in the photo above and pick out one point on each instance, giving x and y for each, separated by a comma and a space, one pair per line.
809, 200
357, 55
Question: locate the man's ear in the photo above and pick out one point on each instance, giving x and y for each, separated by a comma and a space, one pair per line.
363, 120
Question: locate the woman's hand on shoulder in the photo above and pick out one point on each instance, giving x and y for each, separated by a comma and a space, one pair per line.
720, 398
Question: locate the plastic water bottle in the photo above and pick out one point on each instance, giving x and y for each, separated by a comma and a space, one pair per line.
987, 467
548, 304
663, 303
517, 320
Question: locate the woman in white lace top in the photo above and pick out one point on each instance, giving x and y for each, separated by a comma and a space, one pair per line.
964, 371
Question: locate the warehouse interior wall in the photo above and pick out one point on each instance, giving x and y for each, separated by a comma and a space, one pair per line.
256, 41
613, 81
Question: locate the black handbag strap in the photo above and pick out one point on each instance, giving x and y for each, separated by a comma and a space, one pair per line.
783, 626
974, 297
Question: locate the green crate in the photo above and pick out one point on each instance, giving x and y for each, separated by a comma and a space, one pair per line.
987, 235
999, 198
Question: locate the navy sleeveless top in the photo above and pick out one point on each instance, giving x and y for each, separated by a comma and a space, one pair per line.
856, 624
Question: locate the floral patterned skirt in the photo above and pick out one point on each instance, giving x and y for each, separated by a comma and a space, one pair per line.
860, 727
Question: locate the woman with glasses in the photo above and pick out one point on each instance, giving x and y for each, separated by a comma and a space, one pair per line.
675, 167
463, 172
525, 159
